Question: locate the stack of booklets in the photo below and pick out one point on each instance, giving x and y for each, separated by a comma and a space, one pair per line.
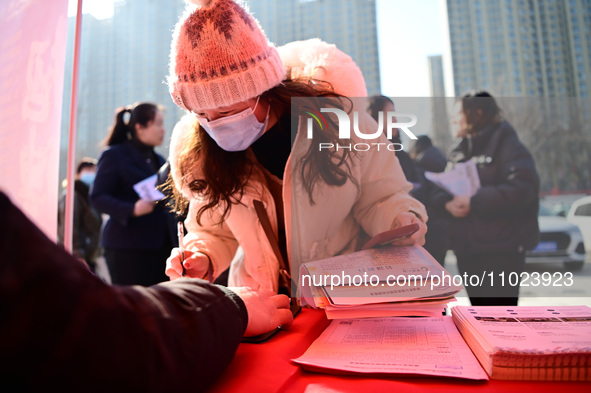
480, 343
378, 282
529, 343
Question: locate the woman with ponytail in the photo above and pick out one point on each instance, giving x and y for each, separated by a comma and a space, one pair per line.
136, 238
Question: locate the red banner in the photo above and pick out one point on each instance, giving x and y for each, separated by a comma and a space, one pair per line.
33, 47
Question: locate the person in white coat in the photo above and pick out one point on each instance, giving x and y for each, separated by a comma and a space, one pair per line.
252, 136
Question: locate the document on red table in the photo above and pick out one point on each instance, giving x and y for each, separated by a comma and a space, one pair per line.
407, 346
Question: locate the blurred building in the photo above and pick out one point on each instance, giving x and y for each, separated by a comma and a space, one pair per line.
440, 133
541, 51
350, 24
521, 48
123, 60
436, 76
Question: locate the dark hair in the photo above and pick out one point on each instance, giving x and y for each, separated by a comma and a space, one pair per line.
375, 104
480, 109
224, 175
420, 145
126, 118
85, 163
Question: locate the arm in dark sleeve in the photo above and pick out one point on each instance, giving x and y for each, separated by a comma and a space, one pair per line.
435, 198
62, 328
77, 246
106, 186
519, 187
90, 230
61, 217
78, 234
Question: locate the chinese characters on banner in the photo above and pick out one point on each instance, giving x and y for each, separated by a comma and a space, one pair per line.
33, 47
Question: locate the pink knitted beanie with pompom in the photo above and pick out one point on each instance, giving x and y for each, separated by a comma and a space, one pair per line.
220, 56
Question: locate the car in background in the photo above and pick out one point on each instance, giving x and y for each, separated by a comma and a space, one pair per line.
560, 242
580, 215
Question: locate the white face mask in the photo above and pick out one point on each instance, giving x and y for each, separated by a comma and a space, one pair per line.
236, 132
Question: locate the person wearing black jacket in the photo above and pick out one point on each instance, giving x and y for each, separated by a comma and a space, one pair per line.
86, 222
428, 158
63, 329
377, 104
491, 230
136, 237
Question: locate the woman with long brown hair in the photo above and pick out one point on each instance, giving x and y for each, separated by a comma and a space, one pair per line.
491, 230
252, 138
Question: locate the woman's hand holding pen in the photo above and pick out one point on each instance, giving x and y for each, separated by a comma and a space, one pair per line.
196, 264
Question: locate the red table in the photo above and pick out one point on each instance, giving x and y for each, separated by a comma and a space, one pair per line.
267, 367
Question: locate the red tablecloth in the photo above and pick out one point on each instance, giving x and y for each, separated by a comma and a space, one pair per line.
267, 367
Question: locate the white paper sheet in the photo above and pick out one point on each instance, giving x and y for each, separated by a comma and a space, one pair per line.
461, 180
146, 189
424, 346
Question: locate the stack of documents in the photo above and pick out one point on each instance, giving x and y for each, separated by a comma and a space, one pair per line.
378, 282
407, 346
529, 343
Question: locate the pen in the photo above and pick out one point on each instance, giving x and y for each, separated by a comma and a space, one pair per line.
181, 234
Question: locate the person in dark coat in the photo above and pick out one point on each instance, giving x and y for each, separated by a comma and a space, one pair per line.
86, 225
62, 329
136, 237
377, 104
491, 230
428, 158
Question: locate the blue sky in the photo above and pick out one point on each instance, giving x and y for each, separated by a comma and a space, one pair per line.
408, 32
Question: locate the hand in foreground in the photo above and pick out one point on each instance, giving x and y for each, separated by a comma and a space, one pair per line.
196, 264
407, 218
459, 206
266, 310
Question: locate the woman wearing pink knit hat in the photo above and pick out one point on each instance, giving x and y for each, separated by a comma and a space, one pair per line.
258, 190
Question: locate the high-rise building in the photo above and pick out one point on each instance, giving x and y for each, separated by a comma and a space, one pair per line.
528, 48
436, 81
123, 60
440, 132
349, 24
93, 110
540, 52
